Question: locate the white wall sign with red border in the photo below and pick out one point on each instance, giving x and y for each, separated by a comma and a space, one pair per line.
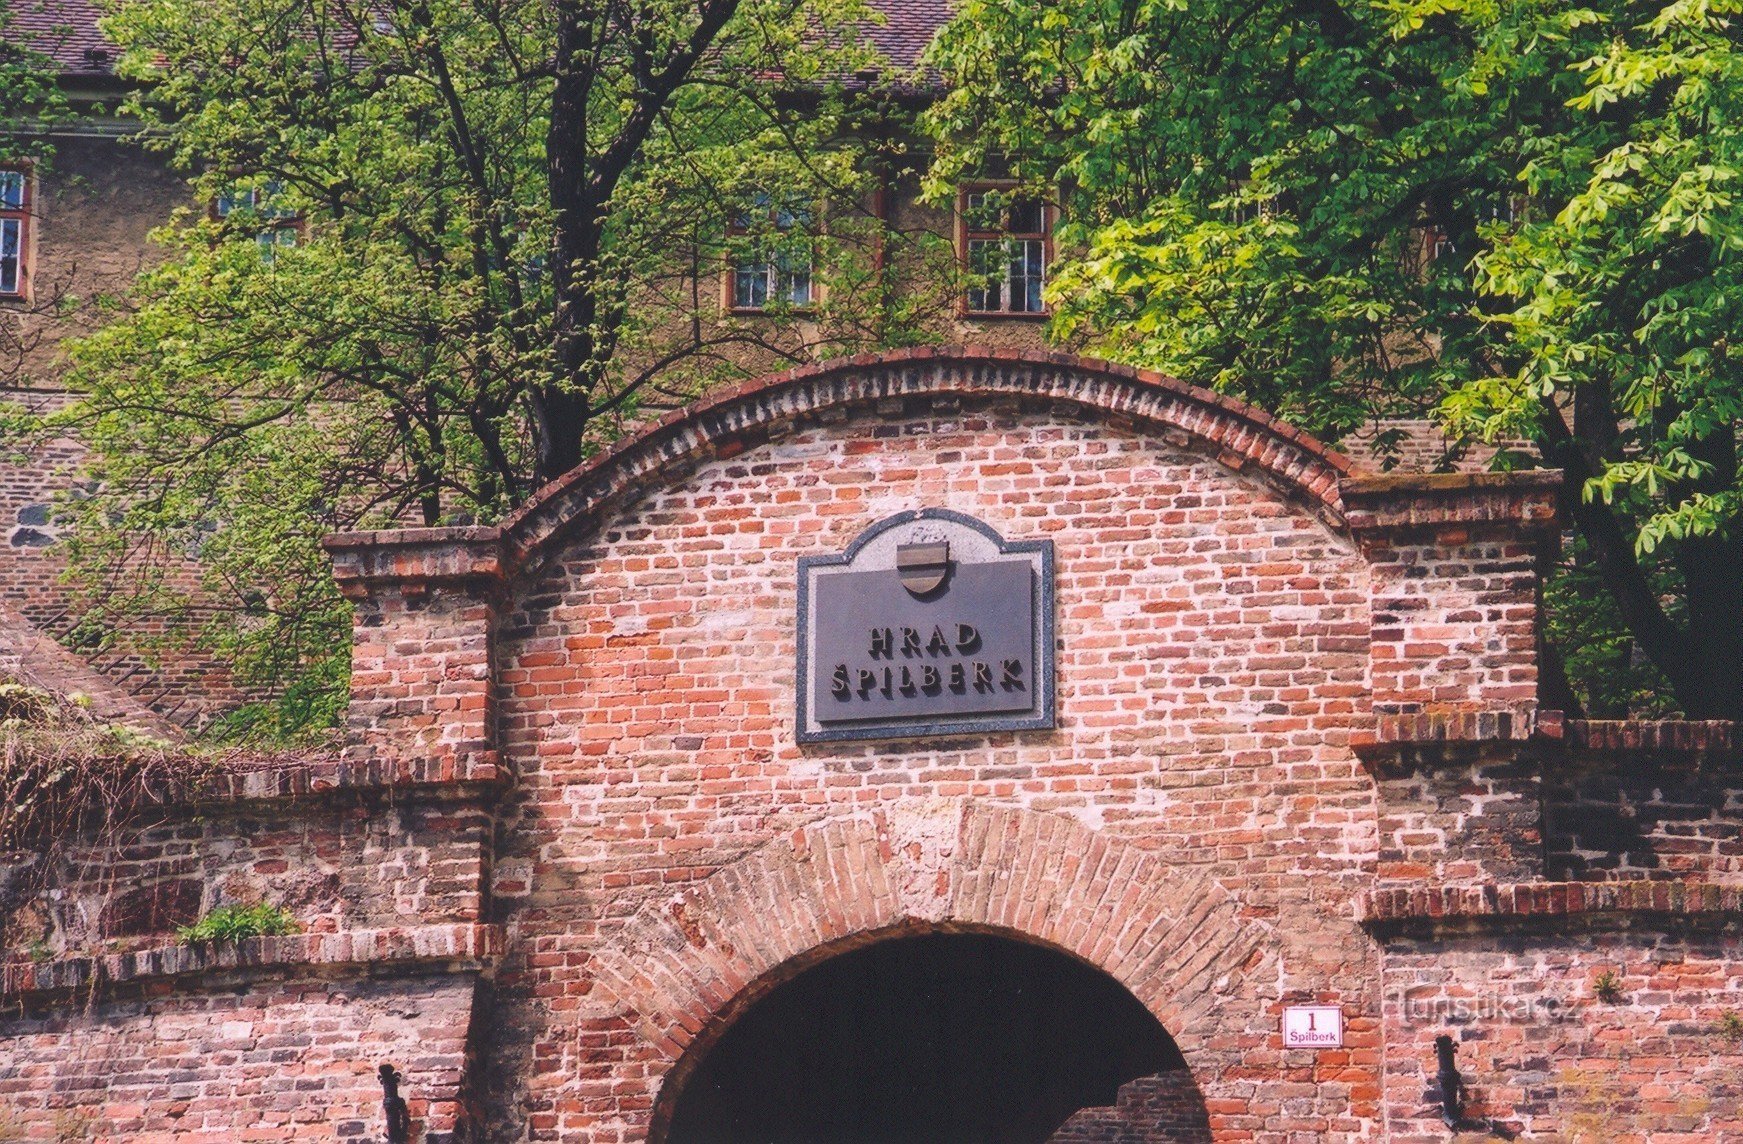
1313, 1027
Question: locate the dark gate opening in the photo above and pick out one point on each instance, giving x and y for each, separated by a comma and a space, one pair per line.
958, 1038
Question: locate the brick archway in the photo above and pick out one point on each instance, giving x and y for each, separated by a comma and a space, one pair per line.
683, 967
731, 420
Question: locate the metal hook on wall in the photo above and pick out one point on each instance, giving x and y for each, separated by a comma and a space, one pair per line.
1452, 1085
393, 1107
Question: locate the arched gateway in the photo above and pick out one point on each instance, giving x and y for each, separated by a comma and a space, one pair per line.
947, 745
683, 969
824, 695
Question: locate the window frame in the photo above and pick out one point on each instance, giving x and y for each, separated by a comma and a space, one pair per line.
736, 229
21, 217
276, 222
967, 234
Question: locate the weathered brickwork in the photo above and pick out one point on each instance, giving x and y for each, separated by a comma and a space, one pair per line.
1161, 1109
1298, 760
1645, 818
287, 1058
1459, 820
353, 863
1613, 1037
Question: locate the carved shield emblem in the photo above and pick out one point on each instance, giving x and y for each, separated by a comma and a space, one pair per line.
923, 566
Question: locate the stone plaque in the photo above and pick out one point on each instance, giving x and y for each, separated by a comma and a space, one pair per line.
929, 624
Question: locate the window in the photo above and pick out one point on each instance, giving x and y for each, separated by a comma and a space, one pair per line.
771, 255
262, 205
14, 232
1005, 248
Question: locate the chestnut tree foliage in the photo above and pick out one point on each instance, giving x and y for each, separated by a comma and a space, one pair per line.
436, 252
1522, 215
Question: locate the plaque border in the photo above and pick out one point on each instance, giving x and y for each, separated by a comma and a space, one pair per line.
1044, 718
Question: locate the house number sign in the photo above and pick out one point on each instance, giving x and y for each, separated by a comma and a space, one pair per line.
929, 624
1313, 1027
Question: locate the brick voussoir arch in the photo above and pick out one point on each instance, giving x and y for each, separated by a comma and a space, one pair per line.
681, 969
732, 419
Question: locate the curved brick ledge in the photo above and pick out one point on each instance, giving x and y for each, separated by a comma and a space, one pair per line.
1526, 902
456, 946
730, 420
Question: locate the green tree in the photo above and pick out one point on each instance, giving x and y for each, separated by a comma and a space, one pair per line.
30, 100
452, 246
1518, 213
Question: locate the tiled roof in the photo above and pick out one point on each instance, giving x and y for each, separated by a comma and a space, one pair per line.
908, 27
66, 31
29, 656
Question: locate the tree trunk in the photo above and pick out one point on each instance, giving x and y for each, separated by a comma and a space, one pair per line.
560, 402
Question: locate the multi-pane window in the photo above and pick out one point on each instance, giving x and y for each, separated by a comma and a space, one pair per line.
261, 205
1005, 249
771, 255
14, 232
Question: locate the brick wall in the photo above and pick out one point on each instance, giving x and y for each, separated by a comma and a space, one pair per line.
1297, 761
1458, 820
1214, 667
1652, 817
1161, 1109
357, 863
1546, 1055
287, 1057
